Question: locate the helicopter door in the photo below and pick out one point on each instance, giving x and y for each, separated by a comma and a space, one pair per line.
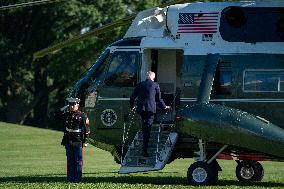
121, 76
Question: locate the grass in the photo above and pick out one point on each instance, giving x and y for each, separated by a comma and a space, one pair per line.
33, 158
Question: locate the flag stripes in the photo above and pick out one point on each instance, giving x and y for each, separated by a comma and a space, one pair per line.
198, 22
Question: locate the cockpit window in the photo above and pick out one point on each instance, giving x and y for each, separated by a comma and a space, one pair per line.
92, 79
97, 76
123, 69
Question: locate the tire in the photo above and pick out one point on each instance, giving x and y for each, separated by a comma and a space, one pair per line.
249, 171
216, 165
215, 168
201, 173
259, 172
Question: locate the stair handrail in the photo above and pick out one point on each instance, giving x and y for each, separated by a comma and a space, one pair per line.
160, 125
125, 135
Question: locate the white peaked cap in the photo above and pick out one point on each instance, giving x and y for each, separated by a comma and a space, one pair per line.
72, 100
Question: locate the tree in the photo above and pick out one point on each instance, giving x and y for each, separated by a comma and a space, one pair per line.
31, 90
26, 86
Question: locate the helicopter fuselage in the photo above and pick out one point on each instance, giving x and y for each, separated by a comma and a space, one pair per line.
175, 42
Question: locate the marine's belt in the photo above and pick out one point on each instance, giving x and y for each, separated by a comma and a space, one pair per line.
73, 130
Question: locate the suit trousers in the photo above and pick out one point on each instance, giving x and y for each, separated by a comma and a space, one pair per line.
74, 163
147, 121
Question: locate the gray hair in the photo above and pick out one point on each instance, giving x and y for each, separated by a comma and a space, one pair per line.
149, 74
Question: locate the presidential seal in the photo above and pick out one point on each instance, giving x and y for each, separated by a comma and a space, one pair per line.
108, 117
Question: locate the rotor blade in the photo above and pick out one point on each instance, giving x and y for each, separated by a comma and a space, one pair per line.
108, 27
28, 4
176, 2
97, 31
187, 1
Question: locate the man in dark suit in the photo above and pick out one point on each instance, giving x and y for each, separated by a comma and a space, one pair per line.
147, 92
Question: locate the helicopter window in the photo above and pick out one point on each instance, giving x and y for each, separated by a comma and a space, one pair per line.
235, 16
252, 24
98, 74
91, 80
123, 69
223, 79
263, 81
280, 27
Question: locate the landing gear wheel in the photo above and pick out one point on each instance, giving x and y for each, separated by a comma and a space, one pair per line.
259, 172
216, 168
201, 173
249, 171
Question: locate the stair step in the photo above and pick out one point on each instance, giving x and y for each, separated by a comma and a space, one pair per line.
163, 125
140, 161
155, 134
161, 116
138, 151
165, 122
162, 138
152, 144
134, 161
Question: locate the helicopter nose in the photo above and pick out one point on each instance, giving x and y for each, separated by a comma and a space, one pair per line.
216, 123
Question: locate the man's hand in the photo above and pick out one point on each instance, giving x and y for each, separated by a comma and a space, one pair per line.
168, 108
87, 121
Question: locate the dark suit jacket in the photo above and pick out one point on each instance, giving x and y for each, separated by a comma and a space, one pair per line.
148, 93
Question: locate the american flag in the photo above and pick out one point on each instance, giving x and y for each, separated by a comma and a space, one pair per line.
198, 22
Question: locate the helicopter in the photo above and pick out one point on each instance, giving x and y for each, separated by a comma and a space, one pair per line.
220, 68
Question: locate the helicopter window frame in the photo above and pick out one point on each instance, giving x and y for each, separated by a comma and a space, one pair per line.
279, 84
137, 64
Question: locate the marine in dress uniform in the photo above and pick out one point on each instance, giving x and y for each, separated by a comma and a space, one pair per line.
77, 130
147, 93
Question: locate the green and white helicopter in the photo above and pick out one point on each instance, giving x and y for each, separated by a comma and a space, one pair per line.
220, 65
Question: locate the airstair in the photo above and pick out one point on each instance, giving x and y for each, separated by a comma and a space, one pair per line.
160, 147
161, 144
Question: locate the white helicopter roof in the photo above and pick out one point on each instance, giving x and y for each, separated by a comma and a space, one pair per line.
166, 28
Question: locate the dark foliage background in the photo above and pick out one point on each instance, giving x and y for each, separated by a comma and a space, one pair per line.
30, 91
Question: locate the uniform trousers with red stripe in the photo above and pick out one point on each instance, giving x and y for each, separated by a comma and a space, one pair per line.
74, 162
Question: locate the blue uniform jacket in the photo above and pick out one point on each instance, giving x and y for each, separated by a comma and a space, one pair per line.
148, 93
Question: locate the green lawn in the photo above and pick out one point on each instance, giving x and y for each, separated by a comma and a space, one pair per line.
33, 158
